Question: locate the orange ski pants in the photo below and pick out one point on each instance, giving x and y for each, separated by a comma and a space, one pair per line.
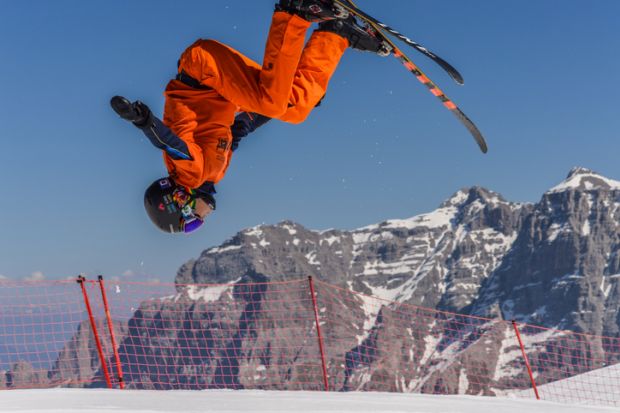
289, 84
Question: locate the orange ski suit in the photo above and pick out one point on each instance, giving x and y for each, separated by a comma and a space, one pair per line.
291, 81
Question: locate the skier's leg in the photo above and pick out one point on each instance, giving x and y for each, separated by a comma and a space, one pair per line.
241, 81
320, 58
317, 65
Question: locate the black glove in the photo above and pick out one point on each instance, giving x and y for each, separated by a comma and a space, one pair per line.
137, 112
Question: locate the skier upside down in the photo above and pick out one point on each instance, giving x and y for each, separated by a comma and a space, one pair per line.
200, 131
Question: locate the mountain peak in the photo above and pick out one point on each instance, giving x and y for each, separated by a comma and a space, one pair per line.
469, 195
585, 179
580, 170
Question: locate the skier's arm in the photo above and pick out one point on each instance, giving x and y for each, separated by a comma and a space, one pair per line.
246, 123
163, 138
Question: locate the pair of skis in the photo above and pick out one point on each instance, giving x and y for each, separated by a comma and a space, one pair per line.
382, 30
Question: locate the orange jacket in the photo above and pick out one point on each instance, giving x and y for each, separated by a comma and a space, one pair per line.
287, 86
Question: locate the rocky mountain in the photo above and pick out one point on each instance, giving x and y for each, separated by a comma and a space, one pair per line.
437, 260
22, 375
553, 263
563, 269
77, 363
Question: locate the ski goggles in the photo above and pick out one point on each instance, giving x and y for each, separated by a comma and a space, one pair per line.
192, 224
185, 198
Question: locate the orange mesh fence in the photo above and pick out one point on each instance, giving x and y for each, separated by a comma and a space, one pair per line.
259, 336
574, 368
45, 337
266, 336
387, 346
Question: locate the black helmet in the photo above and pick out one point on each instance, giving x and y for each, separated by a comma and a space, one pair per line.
171, 206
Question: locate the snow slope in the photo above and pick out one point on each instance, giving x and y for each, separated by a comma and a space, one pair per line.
602, 385
117, 401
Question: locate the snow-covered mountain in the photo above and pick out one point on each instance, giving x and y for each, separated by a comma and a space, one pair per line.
438, 259
554, 263
563, 269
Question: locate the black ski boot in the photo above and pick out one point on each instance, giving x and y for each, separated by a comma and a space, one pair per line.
313, 10
361, 38
137, 112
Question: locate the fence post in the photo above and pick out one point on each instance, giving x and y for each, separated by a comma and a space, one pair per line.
104, 367
117, 358
527, 361
318, 332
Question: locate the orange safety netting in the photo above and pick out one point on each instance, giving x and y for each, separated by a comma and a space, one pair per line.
278, 336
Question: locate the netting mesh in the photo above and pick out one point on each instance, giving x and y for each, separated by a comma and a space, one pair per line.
219, 336
265, 336
44, 335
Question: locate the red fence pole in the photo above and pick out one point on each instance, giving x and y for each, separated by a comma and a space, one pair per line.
117, 358
318, 332
527, 361
104, 366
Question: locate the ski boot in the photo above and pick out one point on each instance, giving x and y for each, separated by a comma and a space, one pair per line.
313, 10
362, 38
137, 112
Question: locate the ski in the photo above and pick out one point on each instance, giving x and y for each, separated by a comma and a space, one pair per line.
432, 87
352, 8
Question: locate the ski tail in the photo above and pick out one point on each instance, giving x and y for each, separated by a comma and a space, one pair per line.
415, 70
452, 72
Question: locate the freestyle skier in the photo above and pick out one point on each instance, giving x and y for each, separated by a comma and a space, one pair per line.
219, 96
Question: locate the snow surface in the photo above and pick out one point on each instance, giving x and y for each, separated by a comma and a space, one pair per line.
219, 250
596, 384
584, 178
136, 401
208, 294
290, 228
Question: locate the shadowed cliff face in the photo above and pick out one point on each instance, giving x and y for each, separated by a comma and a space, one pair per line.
563, 269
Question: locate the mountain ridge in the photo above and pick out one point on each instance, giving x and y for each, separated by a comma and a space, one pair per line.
451, 250
554, 263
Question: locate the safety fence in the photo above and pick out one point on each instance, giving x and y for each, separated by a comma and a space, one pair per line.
293, 335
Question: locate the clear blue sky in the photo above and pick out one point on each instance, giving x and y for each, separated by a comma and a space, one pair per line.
542, 83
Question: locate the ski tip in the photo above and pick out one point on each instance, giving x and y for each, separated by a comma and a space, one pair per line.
452, 72
482, 143
456, 76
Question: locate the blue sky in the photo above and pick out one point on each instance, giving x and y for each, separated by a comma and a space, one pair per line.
542, 81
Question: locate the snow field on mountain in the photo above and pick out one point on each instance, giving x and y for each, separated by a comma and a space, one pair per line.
135, 401
586, 179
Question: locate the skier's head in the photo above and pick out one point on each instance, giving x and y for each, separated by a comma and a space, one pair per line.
175, 208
